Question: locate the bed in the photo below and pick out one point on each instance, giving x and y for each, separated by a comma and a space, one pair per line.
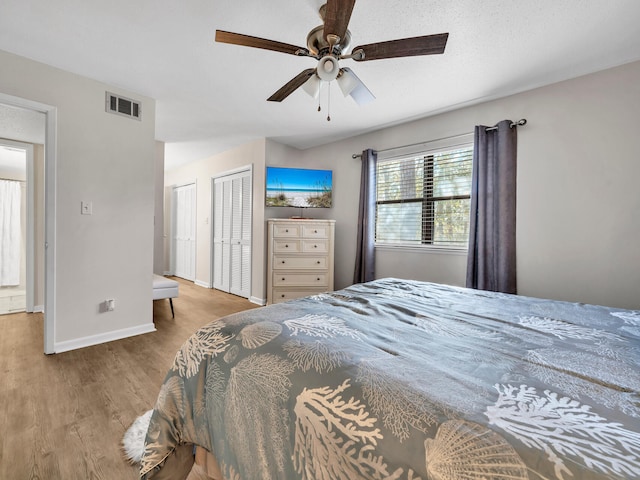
397, 379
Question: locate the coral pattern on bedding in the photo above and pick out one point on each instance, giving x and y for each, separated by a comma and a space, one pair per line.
397, 379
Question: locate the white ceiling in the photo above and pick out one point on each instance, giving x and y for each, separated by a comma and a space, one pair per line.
212, 96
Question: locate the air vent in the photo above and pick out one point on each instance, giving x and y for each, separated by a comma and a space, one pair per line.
123, 106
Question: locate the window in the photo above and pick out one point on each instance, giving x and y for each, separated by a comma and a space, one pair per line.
424, 199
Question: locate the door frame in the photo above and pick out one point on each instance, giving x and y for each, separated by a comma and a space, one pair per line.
50, 148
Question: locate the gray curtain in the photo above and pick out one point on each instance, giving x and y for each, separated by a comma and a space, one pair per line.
491, 263
365, 251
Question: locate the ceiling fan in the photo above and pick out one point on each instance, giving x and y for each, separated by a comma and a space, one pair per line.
328, 43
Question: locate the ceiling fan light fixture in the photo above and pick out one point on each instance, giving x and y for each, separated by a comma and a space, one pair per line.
347, 81
328, 68
362, 95
351, 85
312, 86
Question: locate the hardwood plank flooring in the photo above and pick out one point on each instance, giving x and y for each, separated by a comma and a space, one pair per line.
63, 416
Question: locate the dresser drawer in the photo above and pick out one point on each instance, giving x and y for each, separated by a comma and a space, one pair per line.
282, 295
316, 246
301, 279
312, 263
286, 231
286, 246
315, 231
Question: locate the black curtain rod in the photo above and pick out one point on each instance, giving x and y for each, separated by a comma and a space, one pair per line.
519, 123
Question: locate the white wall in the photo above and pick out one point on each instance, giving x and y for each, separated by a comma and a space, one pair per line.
108, 160
201, 173
578, 200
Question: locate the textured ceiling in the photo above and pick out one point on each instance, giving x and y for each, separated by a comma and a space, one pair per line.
212, 96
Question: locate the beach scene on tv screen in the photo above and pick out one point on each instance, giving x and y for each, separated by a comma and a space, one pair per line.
298, 187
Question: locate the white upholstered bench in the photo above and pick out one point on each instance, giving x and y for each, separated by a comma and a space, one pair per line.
164, 287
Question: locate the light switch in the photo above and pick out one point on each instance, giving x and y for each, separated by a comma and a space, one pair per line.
86, 208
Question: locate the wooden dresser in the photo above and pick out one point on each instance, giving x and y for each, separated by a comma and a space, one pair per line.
300, 258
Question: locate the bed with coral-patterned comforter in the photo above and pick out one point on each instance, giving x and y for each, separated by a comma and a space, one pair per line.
400, 379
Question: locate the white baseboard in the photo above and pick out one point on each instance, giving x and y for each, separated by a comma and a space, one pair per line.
38, 309
200, 283
74, 344
258, 301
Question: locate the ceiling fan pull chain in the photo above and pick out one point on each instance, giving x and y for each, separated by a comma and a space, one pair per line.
329, 102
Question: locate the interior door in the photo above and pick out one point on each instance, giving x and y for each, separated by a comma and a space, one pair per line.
232, 233
240, 236
184, 232
221, 233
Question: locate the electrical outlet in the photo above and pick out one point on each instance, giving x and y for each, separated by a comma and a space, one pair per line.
111, 304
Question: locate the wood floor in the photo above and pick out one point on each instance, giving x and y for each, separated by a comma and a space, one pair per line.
63, 416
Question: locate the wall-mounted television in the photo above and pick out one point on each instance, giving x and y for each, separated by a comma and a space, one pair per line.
298, 187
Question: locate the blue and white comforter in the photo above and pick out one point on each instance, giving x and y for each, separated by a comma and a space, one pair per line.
399, 379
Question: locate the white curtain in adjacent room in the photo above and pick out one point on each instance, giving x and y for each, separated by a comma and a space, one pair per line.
10, 233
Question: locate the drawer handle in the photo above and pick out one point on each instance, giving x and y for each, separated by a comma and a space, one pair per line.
287, 230
283, 279
315, 246
282, 296
283, 261
317, 279
318, 262
315, 231
286, 246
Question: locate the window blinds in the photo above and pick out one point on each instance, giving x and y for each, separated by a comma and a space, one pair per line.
423, 199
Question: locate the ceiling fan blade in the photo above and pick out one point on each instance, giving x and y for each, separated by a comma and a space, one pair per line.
405, 47
337, 16
292, 85
257, 42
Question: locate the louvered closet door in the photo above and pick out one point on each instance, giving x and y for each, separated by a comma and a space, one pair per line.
184, 239
240, 235
221, 234
232, 233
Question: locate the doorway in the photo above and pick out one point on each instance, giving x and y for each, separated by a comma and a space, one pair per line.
17, 256
15, 113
